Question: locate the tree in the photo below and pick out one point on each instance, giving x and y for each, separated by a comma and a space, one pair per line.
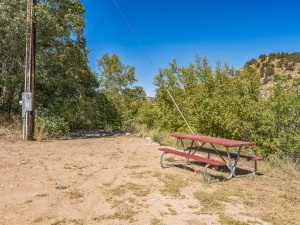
114, 75
270, 70
116, 82
12, 52
62, 72
262, 57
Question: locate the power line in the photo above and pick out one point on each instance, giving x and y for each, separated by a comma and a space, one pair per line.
136, 36
152, 65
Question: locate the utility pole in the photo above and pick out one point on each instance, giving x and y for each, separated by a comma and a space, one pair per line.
28, 97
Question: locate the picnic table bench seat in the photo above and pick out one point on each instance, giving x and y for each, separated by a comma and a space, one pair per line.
224, 153
190, 156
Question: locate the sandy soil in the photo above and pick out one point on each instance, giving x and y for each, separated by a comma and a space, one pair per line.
105, 180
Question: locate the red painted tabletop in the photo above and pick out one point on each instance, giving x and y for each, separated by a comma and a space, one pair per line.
213, 140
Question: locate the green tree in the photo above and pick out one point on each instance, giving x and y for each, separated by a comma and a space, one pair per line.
12, 51
63, 77
262, 57
116, 82
285, 103
270, 70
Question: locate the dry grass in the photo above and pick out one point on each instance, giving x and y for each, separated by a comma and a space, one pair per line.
136, 189
123, 211
156, 222
172, 185
40, 133
75, 194
228, 220
140, 175
209, 201
11, 127
278, 200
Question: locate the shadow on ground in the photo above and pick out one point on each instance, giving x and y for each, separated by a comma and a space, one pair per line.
86, 134
213, 171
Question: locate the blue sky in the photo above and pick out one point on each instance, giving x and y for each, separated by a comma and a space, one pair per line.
235, 31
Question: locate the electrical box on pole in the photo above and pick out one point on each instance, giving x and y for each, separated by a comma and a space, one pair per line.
26, 103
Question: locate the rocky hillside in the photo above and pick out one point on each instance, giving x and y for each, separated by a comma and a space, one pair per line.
275, 63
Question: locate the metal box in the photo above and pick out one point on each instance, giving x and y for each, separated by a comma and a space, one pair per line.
26, 103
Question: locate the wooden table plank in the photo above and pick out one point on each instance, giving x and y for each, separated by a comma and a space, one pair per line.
213, 140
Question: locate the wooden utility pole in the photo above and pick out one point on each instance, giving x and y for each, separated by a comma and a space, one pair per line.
30, 69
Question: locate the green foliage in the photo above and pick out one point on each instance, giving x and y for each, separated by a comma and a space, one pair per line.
62, 71
262, 72
265, 80
251, 62
114, 75
285, 105
148, 114
270, 70
272, 56
257, 65
117, 81
290, 66
12, 49
52, 124
279, 64
262, 57
223, 103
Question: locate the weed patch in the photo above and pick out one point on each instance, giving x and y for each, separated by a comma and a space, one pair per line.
225, 220
172, 185
75, 194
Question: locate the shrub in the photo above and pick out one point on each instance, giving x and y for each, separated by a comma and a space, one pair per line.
270, 70
290, 67
51, 126
262, 72
257, 65
262, 57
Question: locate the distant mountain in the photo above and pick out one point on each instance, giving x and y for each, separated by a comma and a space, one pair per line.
275, 63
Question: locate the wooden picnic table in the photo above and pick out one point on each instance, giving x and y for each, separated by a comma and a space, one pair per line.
232, 157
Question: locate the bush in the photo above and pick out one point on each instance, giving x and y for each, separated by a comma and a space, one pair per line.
262, 57
257, 65
270, 70
262, 72
51, 126
290, 67
279, 65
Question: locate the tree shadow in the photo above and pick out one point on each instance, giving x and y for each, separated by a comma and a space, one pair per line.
88, 134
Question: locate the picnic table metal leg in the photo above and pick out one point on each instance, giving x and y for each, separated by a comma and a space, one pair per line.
203, 143
216, 180
255, 166
219, 154
244, 175
161, 161
236, 160
172, 165
183, 148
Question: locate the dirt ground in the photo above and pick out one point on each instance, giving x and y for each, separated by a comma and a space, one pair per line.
105, 179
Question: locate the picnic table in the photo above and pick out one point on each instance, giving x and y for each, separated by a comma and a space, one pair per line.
232, 157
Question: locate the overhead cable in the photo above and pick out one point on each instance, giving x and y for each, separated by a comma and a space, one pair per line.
152, 64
